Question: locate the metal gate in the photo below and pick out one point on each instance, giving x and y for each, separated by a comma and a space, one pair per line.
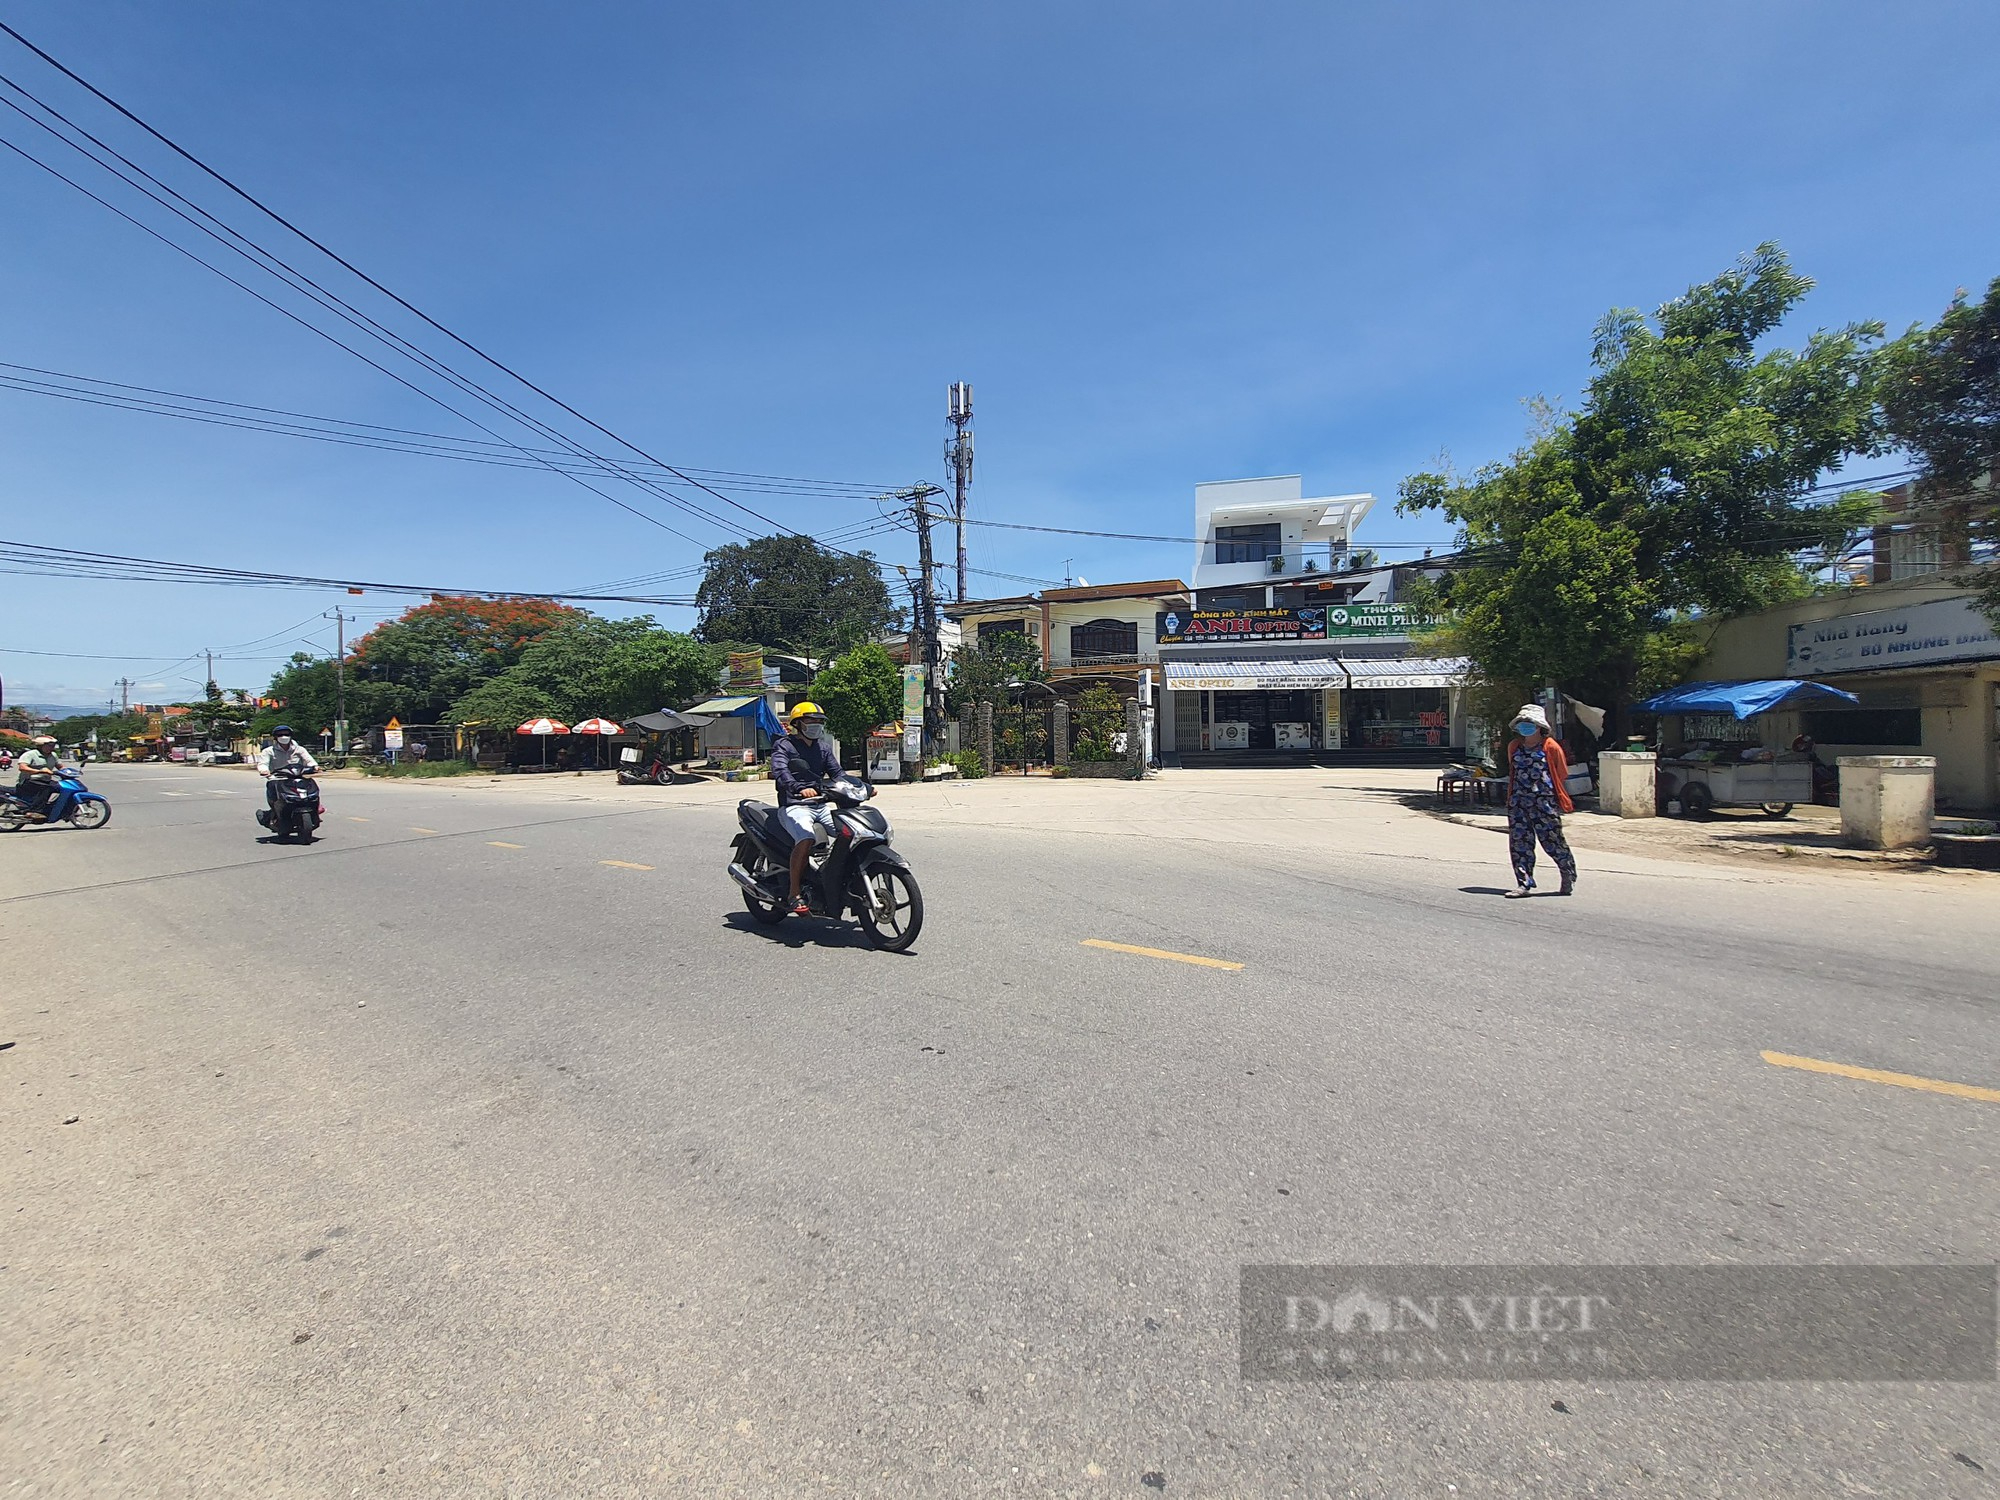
1024, 737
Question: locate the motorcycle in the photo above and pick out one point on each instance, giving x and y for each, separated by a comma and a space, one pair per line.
297, 810
655, 773
73, 803
852, 867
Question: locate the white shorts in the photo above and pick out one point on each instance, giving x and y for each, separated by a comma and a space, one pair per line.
808, 820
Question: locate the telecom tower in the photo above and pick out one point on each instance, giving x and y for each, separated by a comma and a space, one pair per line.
958, 454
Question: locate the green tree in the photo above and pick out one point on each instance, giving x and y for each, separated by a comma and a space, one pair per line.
1941, 401
307, 699
987, 669
791, 594
588, 667
1682, 488
859, 690
435, 653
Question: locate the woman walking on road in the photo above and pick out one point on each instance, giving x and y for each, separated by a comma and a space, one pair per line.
1536, 801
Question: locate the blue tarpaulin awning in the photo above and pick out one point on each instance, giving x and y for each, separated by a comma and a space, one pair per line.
1746, 699
753, 708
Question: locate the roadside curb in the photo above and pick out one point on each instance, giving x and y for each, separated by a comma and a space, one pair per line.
1921, 858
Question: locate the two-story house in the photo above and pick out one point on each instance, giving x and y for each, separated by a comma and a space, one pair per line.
1094, 634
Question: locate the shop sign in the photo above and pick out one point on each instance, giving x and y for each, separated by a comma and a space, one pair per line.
1377, 619
1910, 635
1181, 627
1178, 627
746, 672
913, 713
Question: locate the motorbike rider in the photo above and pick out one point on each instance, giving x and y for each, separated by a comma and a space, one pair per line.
283, 754
37, 782
802, 762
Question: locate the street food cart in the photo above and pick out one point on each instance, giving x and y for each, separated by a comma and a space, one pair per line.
1703, 776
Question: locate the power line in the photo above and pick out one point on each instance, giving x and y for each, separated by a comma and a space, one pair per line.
118, 395
408, 306
323, 300
62, 562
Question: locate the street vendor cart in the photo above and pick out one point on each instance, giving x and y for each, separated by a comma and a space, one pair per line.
1701, 776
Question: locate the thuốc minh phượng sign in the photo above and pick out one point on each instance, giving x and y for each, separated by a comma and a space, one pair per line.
1180, 627
1910, 635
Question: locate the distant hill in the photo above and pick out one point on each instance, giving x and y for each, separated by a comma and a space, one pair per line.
56, 710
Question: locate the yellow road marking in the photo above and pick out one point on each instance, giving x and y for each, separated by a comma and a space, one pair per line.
357, 820
1876, 1075
1179, 958
423, 830
503, 844
623, 864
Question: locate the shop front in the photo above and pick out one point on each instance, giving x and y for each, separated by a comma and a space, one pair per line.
1920, 660
1304, 689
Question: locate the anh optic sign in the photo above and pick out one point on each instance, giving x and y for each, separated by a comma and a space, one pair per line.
1911, 635
1182, 627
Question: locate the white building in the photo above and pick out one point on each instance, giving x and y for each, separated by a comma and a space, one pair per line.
1296, 643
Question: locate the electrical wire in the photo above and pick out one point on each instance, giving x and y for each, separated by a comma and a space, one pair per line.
411, 349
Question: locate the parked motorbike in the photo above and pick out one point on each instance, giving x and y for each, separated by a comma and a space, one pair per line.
297, 810
655, 772
73, 803
852, 868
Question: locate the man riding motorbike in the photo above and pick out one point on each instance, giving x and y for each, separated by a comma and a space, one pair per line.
37, 781
283, 754
802, 762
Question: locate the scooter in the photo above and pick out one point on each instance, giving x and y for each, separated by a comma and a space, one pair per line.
73, 803
656, 772
297, 810
852, 868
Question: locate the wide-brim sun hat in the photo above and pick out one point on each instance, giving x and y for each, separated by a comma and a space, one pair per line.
1535, 714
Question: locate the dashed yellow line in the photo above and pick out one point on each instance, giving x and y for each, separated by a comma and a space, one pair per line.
623, 864
503, 844
1876, 1075
1179, 958
357, 820
423, 830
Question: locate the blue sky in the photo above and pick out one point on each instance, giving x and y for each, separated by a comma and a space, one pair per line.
1168, 243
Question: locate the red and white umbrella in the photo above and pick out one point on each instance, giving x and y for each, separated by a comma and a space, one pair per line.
545, 728
597, 726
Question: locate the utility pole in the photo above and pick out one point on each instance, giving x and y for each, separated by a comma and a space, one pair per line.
209, 689
124, 695
339, 681
958, 453
926, 622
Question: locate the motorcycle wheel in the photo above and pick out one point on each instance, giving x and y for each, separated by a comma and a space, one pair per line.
90, 815
890, 905
12, 818
770, 913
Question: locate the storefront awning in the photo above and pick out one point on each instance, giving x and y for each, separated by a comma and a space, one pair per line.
1231, 676
1407, 671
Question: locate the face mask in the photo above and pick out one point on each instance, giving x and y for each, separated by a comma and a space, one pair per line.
813, 731
284, 742
1526, 730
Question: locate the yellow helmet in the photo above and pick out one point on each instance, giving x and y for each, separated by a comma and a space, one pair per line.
805, 710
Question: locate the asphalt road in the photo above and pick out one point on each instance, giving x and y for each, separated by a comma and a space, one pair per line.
445, 1157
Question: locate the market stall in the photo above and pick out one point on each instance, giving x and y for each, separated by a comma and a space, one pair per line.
1704, 772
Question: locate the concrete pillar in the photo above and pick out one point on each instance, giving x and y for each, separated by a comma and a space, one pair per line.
1886, 801
1135, 736
986, 736
1062, 731
1625, 783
